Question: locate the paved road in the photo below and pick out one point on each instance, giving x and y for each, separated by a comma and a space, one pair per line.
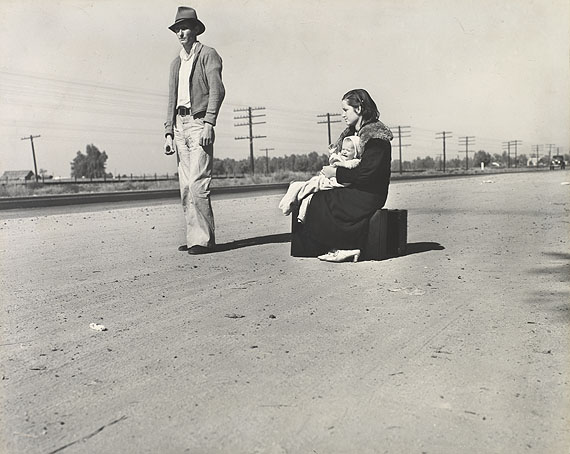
461, 346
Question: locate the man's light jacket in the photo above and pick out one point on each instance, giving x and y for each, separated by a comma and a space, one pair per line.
206, 88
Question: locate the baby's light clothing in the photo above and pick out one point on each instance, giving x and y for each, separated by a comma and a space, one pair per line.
300, 192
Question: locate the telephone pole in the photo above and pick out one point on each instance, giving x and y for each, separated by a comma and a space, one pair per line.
467, 140
267, 150
328, 122
403, 133
250, 123
31, 139
444, 135
536, 149
508, 144
508, 149
549, 145
516, 143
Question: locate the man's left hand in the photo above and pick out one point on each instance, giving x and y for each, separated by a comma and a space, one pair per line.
207, 136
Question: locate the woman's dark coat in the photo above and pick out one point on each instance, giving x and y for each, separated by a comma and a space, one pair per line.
338, 219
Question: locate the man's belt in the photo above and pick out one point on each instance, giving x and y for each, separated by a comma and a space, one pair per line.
184, 111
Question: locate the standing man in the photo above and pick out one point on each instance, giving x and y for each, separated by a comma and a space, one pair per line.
195, 95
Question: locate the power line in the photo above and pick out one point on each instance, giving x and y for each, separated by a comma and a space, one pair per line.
328, 122
508, 149
250, 123
267, 150
467, 140
31, 139
508, 144
402, 130
64, 86
536, 149
444, 135
549, 145
516, 143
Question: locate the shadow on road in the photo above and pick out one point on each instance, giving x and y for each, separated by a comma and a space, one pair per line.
559, 270
422, 246
256, 241
551, 275
411, 248
558, 255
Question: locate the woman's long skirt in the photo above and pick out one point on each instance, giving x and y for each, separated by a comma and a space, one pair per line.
336, 219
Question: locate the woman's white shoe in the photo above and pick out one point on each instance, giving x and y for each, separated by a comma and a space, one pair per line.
341, 256
327, 256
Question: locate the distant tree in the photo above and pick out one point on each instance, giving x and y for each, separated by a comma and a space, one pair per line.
481, 156
230, 166
278, 164
290, 162
497, 158
455, 163
243, 167
218, 168
407, 165
521, 160
316, 162
423, 163
260, 165
89, 165
395, 165
302, 163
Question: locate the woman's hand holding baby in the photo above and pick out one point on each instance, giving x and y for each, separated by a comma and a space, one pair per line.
329, 171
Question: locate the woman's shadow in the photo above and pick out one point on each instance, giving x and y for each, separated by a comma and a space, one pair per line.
411, 248
422, 246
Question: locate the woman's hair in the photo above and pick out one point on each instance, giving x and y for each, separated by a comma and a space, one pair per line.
360, 98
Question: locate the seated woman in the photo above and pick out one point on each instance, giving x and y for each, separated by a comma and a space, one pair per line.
336, 223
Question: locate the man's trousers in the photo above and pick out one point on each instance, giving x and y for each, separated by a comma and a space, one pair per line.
195, 175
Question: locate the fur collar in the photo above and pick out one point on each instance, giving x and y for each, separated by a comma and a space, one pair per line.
373, 130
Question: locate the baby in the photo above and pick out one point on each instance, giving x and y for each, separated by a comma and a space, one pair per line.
300, 192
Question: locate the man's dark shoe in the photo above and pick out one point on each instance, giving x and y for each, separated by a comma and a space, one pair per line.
183, 248
195, 250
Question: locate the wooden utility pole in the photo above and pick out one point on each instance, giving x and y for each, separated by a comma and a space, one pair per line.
536, 149
31, 139
444, 135
508, 150
516, 143
267, 150
400, 131
328, 122
467, 140
250, 123
549, 145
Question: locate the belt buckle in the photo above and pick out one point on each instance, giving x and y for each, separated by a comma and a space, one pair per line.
183, 111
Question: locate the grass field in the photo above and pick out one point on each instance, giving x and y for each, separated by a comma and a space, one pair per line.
21, 189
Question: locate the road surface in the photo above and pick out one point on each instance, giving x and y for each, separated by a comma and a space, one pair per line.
461, 346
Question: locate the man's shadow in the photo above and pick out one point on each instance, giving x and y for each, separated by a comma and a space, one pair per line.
411, 248
255, 241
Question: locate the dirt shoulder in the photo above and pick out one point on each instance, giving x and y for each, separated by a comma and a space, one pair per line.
460, 346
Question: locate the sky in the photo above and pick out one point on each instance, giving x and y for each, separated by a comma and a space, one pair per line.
78, 72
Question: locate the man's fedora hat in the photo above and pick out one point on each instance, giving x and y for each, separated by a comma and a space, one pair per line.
187, 14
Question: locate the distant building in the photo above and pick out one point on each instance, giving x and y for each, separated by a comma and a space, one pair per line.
17, 175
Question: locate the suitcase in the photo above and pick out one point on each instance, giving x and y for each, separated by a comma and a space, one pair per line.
387, 235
